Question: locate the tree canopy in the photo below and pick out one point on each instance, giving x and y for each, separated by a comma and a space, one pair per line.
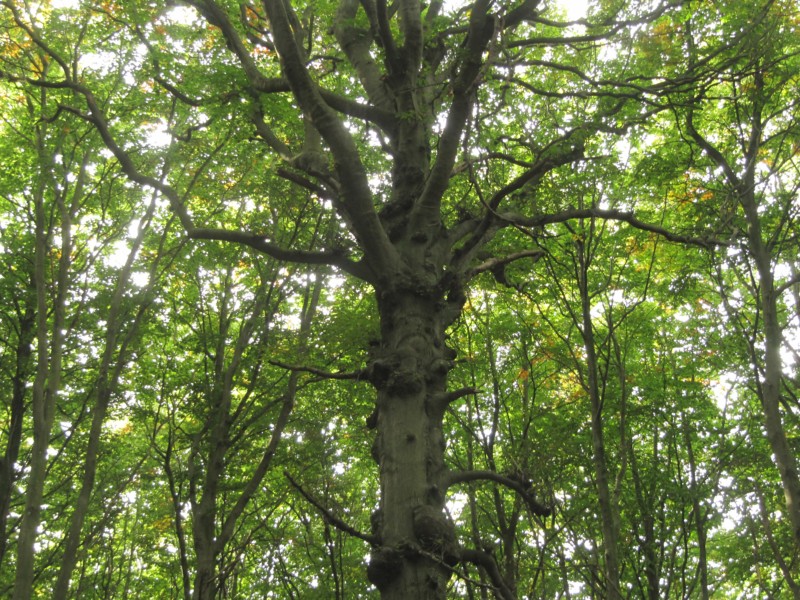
466, 299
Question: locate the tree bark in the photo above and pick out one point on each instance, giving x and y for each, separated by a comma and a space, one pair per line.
417, 541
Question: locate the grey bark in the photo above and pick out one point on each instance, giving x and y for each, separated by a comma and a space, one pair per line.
768, 373
114, 359
49, 343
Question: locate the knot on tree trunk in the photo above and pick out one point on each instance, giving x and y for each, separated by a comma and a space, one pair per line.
435, 533
385, 566
404, 382
399, 381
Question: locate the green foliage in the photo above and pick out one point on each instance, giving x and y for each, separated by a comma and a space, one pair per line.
232, 383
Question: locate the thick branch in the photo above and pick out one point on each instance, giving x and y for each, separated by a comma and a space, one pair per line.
526, 11
450, 397
216, 16
411, 27
713, 153
380, 117
260, 243
385, 34
356, 193
513, 484
481, 31
794, 280
356, 44
497, 266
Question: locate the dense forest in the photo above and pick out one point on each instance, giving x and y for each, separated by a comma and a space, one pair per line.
347, 299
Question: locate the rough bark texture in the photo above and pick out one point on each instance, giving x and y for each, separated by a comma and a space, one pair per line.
417, 542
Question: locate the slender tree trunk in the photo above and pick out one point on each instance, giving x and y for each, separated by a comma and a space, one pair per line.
205, 511
770, 386
49, 341
219, 397
697, 509
769, 382
73, 540
113, 361
8, 461
213, 528
180, 532
608, 517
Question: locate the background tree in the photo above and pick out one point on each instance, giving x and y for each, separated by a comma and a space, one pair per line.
739, 129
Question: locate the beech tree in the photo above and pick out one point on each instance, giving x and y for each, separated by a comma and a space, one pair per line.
421, 156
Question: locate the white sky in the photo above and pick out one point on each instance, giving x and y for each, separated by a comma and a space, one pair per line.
576, 9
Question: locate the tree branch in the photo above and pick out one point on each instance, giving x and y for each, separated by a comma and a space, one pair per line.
496, 265
795, 279
360, 375
481, 31
450, 397
255, 241
329, 517
216, 16
492, 263
356, 194
534, 505
613, 215
489, 564
260, 243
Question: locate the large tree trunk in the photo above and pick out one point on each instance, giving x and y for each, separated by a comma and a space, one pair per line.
417, 541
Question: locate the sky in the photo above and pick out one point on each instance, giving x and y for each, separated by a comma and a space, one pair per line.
576, 9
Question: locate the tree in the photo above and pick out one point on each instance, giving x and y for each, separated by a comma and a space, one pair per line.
436, 145
754, 195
